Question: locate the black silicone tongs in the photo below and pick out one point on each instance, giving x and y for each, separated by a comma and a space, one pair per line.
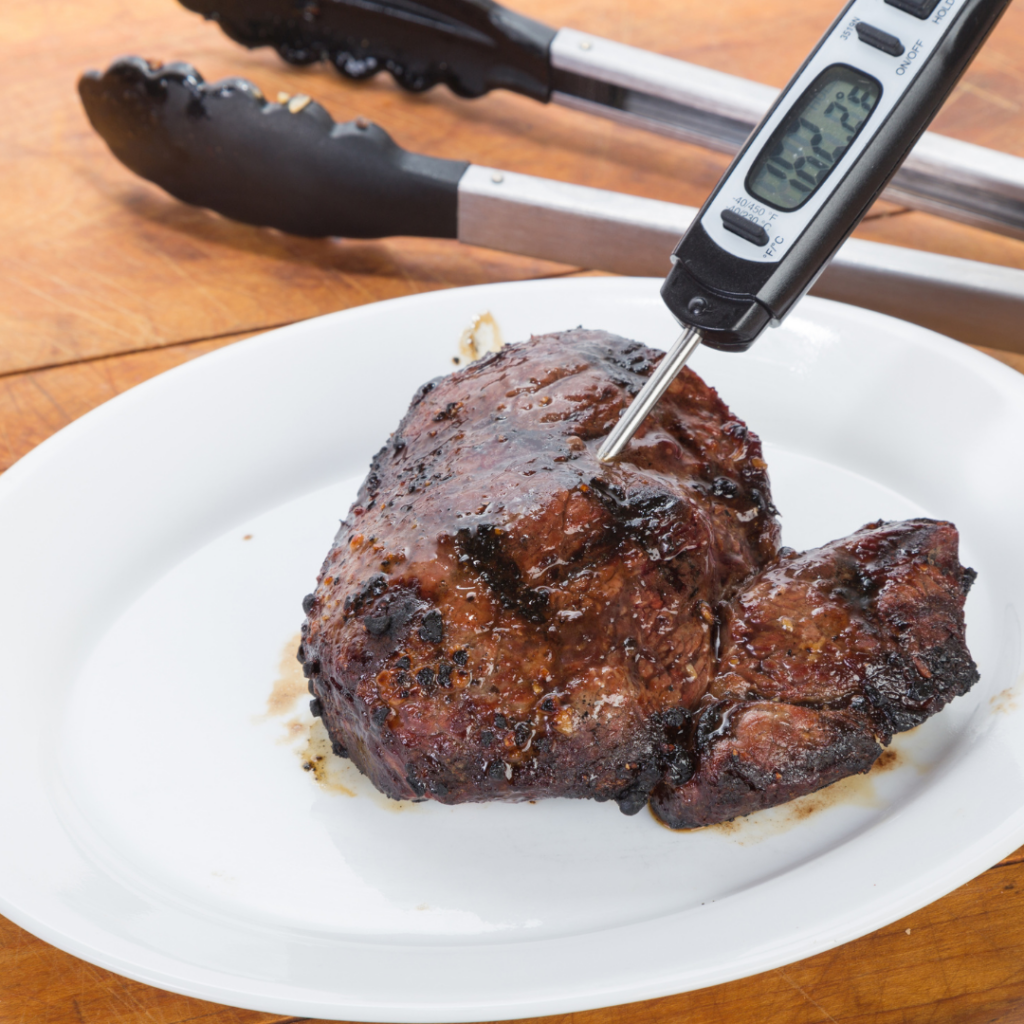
289, 165
474, 46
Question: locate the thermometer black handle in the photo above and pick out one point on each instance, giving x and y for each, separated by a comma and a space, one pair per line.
730, 279
472, 46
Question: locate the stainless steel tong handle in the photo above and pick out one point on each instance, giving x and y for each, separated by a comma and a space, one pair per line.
979, 303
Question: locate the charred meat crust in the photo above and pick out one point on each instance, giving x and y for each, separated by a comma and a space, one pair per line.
758, 754
503, 617
825, 656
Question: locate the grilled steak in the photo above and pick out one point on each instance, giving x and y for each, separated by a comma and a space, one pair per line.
501, 616
824, 656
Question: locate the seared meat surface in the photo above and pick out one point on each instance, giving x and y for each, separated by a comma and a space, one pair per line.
824, 656
501, 616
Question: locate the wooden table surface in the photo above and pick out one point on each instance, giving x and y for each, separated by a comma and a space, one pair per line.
105, 281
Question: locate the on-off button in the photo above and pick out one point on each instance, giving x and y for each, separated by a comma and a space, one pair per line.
879, 40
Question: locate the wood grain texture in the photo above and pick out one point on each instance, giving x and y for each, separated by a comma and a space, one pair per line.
40, 985
105, 281
1014, 359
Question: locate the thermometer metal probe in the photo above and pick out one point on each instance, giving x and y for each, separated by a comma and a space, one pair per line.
808, 174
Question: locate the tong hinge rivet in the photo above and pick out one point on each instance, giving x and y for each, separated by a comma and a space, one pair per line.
497, 177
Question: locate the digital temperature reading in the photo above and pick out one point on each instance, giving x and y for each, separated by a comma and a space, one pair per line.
803, 150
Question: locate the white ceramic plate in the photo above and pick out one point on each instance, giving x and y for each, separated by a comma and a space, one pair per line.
156, 816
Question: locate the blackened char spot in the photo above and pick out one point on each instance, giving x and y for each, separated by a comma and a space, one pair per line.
967, 578
853, 585
482, 549
307, 603
764, 504
411, 777
377, 625
386, 629
676, 721
432, 629
711, 723
658, 520
446, 412
678, 759
373, 587
423, 390
633, 358
632, 800
723, 487
679, 766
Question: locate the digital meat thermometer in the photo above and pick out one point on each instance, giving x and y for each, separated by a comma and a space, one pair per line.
808, 175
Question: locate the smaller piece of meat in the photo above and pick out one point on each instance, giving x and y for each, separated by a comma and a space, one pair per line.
823, 657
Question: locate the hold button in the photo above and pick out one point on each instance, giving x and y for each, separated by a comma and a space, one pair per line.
918, 8
879, 40
746, 229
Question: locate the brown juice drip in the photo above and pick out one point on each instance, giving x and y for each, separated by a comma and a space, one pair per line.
326, 767
289, 696
290, 684
1007, 701
482, 336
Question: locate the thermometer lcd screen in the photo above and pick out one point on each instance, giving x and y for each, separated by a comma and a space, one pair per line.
814, 136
